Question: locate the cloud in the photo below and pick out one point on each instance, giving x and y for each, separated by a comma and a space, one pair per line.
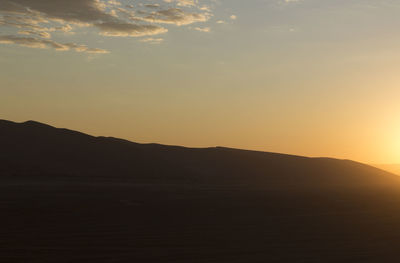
72, 11
182, 2
40, 34
125, 29
203, 29
33, 42
31, 21
176, 16
152, 40
152, 5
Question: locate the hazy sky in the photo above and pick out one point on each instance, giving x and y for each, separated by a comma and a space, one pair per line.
307, 77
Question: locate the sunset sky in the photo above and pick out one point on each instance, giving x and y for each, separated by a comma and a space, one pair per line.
306, 77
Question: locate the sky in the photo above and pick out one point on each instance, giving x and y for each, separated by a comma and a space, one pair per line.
305, 77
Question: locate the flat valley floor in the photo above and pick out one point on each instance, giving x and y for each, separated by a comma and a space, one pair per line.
61, 219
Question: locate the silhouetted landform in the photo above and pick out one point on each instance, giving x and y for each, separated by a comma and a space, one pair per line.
69, 197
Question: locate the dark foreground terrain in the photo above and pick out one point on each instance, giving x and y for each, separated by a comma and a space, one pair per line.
70, 197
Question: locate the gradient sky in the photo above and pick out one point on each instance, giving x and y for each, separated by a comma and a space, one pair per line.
307, 77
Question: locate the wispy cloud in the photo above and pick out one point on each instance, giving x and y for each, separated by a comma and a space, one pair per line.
32, 21
152, 40
34, 42
203, 29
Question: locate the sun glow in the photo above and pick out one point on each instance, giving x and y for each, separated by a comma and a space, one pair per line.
394, 144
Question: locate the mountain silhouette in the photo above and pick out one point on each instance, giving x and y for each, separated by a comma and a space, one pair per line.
66, 196
36, 148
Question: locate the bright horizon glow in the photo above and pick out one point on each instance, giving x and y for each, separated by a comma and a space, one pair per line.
308, 77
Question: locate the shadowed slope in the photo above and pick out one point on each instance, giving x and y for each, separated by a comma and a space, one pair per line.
35, 148
70, 197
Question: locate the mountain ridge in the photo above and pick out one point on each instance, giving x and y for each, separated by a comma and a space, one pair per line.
33, 144
37, 124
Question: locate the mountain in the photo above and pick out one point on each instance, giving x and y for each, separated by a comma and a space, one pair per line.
66, 196
32, 148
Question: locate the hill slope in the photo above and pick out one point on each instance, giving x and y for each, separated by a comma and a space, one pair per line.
70, 197
34, 148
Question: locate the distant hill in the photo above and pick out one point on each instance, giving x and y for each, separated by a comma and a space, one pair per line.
31, 148
66, 196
